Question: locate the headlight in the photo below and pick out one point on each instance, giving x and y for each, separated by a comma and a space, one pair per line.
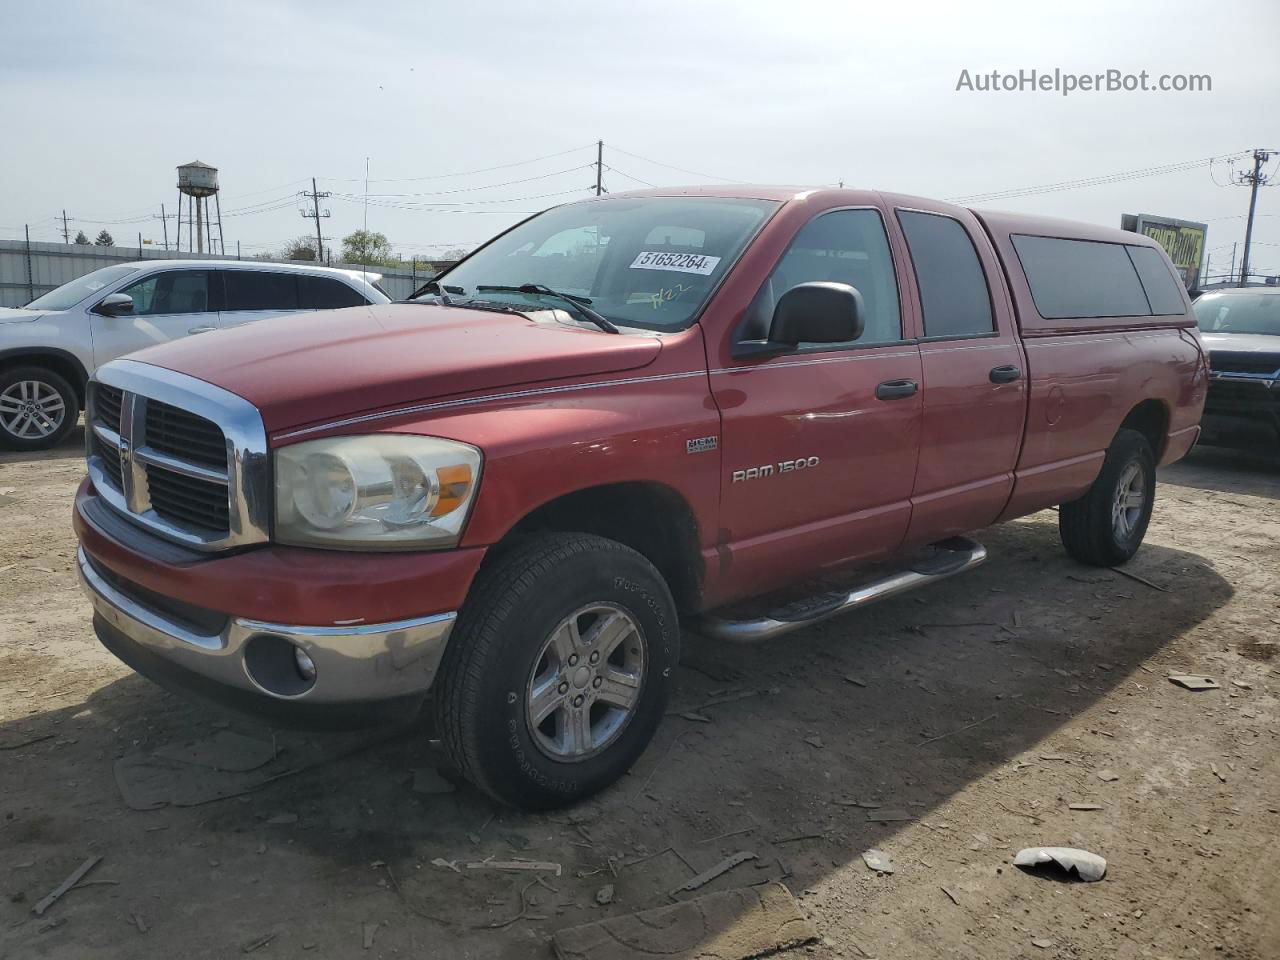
386, 491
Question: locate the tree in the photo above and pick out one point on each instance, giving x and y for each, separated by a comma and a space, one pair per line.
82, 239
303, 248
365, 246
457, 253
104, 239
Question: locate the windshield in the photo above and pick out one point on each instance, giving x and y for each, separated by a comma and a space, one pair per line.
641, 261
1238, 313
69, 294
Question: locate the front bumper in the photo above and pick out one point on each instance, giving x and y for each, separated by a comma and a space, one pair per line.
368, 672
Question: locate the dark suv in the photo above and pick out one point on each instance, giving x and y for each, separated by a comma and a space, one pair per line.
1241, 330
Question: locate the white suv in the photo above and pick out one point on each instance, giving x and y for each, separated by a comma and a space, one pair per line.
50, 347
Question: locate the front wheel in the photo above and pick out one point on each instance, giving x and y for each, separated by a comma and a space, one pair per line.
559, 670
1105, 527
38, 408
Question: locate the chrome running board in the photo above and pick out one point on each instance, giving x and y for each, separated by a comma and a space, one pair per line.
949, 557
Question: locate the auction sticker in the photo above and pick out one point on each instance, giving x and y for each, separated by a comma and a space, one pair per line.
677, 262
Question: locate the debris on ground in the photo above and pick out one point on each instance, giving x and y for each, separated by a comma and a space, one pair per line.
734, 925
1193, 681
695, 716
814, 741
370, 931
877, 860
226, 751
1108, 776
888, 816
26, 743
1217, 773
849, 678
724, 866
282, 818
428, 780
541, 866
1084, 806
57, 892
604, 895
448, 864
1080, 863
951, 896
261, 941
1044, 943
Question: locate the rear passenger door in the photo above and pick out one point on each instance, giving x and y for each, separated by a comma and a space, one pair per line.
974, 375
250, 295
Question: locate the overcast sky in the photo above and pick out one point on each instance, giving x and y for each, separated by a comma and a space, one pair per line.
101, 101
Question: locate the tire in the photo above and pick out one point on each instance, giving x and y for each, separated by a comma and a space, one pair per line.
38, 408
1095, 529
512, 653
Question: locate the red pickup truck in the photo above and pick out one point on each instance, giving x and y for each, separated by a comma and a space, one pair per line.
619, 413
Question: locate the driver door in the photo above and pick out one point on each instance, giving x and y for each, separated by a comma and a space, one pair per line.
820, 444
166, 305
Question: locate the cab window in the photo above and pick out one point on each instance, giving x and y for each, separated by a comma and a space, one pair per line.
843, 246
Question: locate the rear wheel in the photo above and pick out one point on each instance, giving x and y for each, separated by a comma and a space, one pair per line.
38, 408
1105, 527
559, 670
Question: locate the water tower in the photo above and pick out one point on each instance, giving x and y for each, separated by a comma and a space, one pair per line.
198, 182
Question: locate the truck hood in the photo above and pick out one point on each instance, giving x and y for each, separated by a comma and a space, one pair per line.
1241, 342
17, 314
309, 368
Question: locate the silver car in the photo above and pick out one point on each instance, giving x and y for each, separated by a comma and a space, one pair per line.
50, 347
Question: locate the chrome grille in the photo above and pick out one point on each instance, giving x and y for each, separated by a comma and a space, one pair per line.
177, 455
1243, 363
188, 501
185, 435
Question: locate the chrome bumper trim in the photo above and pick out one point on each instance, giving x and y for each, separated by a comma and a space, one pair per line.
356, 663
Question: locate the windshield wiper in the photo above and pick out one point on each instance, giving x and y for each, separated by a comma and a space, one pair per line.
579, 304
439, 289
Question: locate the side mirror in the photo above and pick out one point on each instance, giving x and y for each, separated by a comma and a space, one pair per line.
115, 305
817, 312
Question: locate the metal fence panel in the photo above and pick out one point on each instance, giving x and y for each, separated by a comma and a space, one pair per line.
53, 264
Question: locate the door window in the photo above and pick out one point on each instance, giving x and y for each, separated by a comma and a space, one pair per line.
325, 293
260, 290
953, 289
844, 246
177, 291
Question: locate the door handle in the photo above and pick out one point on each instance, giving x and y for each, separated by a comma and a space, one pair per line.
1005, 374
204, 329
895, 389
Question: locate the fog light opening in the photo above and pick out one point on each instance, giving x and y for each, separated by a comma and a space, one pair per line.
279, 667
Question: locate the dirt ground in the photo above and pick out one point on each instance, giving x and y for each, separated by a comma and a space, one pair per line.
948, 729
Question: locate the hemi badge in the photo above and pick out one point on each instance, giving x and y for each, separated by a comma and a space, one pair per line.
701, 444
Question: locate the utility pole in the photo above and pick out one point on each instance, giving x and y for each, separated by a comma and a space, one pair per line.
164, 223
1232, 272
66, 234
599, 167
315, 196
1254, 180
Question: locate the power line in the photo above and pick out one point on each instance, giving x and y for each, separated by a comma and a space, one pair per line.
487, 186
1061, 185
463, 173
613, 169
659, 163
